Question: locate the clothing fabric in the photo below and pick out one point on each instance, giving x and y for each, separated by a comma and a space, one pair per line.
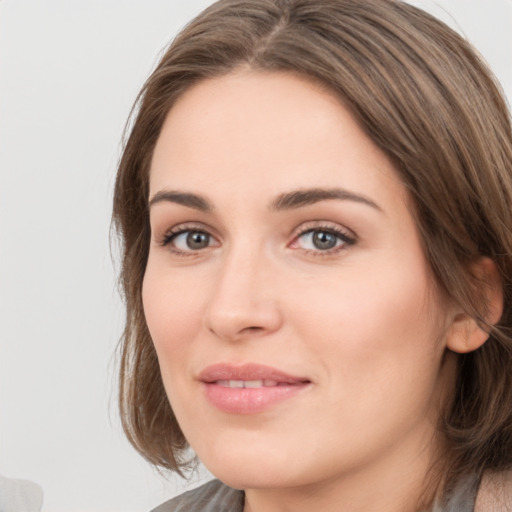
214, 496
217, 497
462, 498
19, 495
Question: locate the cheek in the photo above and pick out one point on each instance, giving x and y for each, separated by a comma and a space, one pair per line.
380, 353
374, 320
173, 317
173, 314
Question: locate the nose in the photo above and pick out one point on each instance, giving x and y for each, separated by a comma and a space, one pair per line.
243, 301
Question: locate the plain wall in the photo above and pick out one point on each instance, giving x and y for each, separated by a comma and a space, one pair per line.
69, 72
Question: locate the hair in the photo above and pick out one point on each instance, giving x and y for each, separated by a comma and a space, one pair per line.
424, 96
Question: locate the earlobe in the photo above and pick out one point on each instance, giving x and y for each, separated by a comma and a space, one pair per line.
465, 332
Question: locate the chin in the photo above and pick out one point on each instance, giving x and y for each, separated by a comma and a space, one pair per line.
252, 478
255, 467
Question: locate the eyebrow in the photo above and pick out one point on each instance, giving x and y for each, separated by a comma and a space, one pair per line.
184, 198
305, 197
287, 201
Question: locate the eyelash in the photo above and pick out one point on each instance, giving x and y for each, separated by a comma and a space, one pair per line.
346, 237
176, 231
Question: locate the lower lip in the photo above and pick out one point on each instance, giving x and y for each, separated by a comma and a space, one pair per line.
250, 400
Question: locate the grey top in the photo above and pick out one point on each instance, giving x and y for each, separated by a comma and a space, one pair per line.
19, 495
217, 497
211, 497
462, 498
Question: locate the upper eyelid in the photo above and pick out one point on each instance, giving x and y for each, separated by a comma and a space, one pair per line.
191, 226
325, 225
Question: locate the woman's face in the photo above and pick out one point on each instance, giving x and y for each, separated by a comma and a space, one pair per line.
298, 330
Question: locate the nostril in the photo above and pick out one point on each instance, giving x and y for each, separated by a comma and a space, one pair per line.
235, 320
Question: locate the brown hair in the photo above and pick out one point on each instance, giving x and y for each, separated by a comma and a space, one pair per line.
425, 98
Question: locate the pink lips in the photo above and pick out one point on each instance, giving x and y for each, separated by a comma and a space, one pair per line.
248, 389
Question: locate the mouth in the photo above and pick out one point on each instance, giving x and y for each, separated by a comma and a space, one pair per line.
250, 388
252, 384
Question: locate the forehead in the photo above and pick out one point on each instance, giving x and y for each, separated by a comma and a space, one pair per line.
270, 132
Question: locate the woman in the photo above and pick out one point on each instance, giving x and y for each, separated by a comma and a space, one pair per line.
314, 204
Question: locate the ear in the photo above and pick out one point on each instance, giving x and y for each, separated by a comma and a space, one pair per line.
465, 333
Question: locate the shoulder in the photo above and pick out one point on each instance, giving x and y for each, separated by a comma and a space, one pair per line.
213, 496
495, 493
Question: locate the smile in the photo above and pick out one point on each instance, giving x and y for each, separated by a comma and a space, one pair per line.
250, 388
247, 383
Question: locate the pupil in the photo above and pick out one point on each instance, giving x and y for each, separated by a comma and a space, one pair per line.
197, 240
323, 240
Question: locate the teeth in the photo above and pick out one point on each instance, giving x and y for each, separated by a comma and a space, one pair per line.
246, 383
253, 384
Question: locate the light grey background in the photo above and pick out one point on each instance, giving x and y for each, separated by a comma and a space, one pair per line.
69, 71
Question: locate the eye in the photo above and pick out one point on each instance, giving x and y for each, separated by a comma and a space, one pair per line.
323, 239
183, 240
191, 240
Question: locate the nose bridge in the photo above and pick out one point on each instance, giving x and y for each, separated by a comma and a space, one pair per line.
243, 299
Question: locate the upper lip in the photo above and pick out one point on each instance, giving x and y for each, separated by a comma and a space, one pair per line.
249, 372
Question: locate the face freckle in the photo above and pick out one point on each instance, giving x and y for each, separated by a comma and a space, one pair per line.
329, 292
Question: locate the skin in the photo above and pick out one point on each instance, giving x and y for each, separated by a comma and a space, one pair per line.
363, 321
